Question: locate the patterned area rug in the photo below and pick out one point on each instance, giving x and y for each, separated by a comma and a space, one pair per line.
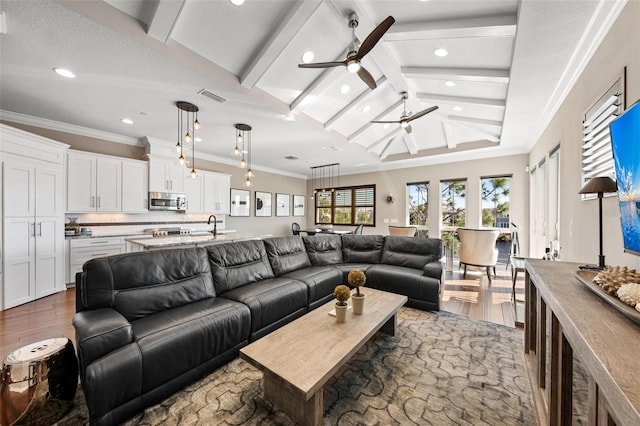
441, 369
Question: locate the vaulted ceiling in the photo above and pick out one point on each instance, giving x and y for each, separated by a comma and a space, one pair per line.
510, 63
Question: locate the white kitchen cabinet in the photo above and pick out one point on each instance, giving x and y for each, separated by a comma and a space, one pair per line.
193, 189
216, 192
94, 183
33, 217
84, 249
135, 189
166, 175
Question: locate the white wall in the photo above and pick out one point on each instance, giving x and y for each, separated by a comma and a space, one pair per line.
579, 219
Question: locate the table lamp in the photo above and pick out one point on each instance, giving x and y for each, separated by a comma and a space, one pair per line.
599, 185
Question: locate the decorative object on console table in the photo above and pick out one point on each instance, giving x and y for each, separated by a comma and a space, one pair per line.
298, 205
263, 204
356, 279
342, 294
240, 202
599, 185
282, 204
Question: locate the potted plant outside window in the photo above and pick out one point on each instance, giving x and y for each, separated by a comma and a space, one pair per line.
356, 279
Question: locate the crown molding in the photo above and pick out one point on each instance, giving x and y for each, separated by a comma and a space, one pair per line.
59, 126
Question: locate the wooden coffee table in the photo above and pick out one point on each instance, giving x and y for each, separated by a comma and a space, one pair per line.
298, 359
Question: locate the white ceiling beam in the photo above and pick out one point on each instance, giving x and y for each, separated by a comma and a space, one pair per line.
449, 135
316, 88
287, 29
461, 100
361, 98
480, 121
410, 143
488, 26
385, 138
378, 117
386, 147
485, 75
164, 18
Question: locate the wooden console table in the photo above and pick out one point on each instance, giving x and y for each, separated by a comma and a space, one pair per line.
569, 329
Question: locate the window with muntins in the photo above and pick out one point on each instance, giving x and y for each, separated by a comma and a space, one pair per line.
352, 205
496, 201
454, 203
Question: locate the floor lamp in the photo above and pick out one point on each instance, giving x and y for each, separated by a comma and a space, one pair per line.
599, 185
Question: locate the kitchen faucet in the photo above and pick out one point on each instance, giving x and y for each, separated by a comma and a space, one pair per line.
215, 224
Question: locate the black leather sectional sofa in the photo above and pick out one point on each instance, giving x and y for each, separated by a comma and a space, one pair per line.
149, 323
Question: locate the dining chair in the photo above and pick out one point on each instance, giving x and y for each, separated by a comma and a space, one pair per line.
295, 228
404, 231
478, 248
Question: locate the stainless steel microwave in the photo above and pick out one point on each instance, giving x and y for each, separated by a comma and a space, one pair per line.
167, 201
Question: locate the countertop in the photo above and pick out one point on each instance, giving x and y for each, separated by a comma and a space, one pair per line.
198, 240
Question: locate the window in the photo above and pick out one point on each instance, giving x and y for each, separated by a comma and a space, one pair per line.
418, 205
496, 199
454, 203
353, 205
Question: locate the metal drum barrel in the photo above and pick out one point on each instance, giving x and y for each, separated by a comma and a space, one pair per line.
39, 383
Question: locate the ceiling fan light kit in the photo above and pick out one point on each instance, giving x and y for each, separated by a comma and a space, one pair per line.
406, 116
355, 55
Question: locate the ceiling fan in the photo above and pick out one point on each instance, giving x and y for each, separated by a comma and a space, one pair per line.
352, 61
406, 118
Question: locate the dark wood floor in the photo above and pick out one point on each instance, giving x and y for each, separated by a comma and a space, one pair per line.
51, 316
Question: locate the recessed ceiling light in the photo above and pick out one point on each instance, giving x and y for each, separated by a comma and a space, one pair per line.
64, 72
449, 83
366, 108
345, 89
127, 121
237, 2
441, 52
457, 108
198, 139
308, 56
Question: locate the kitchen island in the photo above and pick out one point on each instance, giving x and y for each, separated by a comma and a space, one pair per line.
183, 241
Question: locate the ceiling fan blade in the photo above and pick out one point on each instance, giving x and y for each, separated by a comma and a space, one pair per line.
322, 64
374, 37
386, 122
367, 78
421, 113
407, 128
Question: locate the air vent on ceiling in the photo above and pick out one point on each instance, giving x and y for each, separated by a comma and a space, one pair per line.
208, 94
291, 157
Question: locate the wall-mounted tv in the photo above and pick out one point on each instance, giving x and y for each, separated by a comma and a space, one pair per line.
625, 143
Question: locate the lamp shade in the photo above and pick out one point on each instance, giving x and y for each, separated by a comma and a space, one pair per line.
598, 184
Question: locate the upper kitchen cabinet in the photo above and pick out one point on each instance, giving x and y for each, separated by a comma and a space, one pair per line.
166, 175
102, 183
135, 186
193, 189
216, 190
94, 183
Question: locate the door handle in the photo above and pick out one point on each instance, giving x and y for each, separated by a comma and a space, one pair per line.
39, 229
93, 201
171, 185
98, 202
34, 229
166, 184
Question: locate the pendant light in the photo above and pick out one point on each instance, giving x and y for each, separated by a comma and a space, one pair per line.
187, 125
243, 146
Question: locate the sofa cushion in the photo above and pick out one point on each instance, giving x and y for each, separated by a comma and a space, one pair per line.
177, 340
408, 281
286, 254
238, 263
141, 284
411, 252
270, 300
320, 281
362, 248
323, 249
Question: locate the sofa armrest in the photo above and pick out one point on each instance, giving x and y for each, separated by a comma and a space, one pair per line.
99, 332
433, 269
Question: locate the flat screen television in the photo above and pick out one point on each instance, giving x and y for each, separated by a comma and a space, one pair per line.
625, 143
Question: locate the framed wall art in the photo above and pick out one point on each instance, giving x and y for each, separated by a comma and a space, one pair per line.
282, 204
263, 204
298, 205
240, 202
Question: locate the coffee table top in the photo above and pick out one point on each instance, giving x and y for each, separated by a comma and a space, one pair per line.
307, 352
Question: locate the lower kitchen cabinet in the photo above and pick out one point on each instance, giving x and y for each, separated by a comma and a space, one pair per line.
84, 249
